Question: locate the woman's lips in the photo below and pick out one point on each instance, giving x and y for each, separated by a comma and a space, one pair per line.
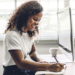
33, 26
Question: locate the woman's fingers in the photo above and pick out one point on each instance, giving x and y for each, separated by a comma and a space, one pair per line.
56, 67
61, 65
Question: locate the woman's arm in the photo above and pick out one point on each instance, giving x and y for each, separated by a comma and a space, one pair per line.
29, 65
34, 55
25, 64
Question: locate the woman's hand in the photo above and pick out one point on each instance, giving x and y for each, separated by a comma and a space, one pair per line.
57, 67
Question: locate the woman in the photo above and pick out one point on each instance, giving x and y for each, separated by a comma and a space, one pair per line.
19, 42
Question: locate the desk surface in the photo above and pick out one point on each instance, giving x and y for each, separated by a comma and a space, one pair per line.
60, 57
70, 70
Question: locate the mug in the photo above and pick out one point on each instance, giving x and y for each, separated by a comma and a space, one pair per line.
53, 51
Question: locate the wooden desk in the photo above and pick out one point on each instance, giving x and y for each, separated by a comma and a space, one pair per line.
70, 70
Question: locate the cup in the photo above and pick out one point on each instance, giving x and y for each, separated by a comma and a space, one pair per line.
53, 51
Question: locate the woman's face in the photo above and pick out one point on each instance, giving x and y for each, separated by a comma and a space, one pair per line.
33, 21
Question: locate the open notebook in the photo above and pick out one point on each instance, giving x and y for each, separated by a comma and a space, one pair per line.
53, 73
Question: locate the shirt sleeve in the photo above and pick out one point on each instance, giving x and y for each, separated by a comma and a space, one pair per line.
12, 42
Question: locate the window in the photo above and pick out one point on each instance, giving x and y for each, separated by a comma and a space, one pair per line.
6, 7
48, 24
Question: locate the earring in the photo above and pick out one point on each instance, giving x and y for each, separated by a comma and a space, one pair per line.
23, 29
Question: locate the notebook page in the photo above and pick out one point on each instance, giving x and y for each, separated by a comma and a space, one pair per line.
49, 72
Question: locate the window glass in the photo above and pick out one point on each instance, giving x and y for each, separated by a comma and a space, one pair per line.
6, 8
48, 23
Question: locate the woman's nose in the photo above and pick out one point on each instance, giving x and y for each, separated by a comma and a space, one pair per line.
36, 23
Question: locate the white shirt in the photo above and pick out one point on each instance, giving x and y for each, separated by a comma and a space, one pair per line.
15, 41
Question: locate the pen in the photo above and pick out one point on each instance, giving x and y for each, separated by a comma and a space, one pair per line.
55, 58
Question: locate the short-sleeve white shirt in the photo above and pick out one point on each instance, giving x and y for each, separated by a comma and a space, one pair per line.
15, 41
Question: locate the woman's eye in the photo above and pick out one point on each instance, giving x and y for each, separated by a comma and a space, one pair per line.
34, 19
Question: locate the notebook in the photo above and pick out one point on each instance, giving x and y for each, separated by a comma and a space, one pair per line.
53, 73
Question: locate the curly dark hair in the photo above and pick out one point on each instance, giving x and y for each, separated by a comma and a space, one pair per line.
20, 17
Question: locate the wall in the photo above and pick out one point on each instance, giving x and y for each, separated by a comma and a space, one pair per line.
1, 57
43, 47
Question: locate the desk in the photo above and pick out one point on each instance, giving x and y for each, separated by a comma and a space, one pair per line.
60, 57
70, 70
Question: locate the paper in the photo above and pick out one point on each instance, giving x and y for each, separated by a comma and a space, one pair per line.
49, 72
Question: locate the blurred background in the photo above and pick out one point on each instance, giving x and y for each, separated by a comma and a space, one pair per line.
48, 27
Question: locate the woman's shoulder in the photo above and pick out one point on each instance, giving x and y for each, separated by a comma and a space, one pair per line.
12, 33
